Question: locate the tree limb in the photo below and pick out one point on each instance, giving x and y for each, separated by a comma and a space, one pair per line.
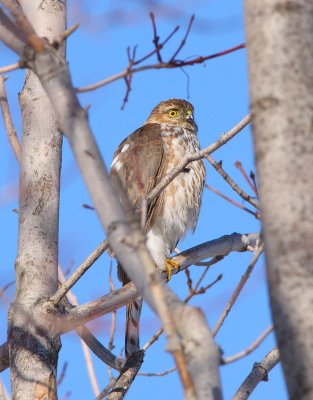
7, 118
258, 374
126, 377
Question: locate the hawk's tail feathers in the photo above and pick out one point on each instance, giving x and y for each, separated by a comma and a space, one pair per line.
133, 311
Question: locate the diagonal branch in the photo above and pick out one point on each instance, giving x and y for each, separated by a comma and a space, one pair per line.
22, 22
238, 289
11, 67
127, 376
258, 374
250, 349
230, 181
70, 282
7, 118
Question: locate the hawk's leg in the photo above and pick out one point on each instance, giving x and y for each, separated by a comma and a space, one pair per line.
171, 266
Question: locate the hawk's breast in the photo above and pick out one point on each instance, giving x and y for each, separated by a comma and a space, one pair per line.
182, 197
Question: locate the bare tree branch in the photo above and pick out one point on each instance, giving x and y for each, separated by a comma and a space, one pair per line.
238, 289
217, 247
21, 21
89, 364
120, 297
99, 350
158, 374
247, 178
258, 374
250, 349
230, 181
10, 34
127, 376
9, 68
235, 203
11, 132
70, 282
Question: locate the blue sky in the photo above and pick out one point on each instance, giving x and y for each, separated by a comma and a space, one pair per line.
218, 90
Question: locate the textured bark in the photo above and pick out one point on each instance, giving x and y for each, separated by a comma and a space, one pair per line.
33, 349
280, 57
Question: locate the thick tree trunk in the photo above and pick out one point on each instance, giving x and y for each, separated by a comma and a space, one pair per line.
33, 349
280, 56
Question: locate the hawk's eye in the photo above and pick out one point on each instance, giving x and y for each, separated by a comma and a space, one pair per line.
172, 113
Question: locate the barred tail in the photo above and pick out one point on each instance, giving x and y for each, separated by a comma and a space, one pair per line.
133, 311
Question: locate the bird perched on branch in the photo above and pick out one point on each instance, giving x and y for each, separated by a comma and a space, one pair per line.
139, 164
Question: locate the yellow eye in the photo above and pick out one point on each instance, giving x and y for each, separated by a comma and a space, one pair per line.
189, 112
172, 113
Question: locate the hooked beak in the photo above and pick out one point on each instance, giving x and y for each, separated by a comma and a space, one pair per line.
189, 117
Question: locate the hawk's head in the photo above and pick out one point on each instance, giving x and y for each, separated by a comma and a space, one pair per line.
174, 112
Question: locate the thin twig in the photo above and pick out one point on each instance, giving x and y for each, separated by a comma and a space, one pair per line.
6, 287
230, 181
252, 177
191, 293
9, 68
86, 351
62, 375
189, 280
156, 38
168, 371
249, 349
238, 289
183, 42
195, 291
223, 196
164, 65
158, 46
113, 321
61, 38
67, 395
248, 180
8, 122
70, 282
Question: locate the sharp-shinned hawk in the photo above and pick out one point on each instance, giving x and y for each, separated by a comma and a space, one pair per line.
140, 162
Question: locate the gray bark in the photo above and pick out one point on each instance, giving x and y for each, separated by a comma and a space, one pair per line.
33, 349
258, 374
280, 58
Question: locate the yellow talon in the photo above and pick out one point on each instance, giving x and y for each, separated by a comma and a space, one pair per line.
170, 266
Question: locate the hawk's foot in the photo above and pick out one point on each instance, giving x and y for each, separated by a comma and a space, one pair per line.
170, 265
